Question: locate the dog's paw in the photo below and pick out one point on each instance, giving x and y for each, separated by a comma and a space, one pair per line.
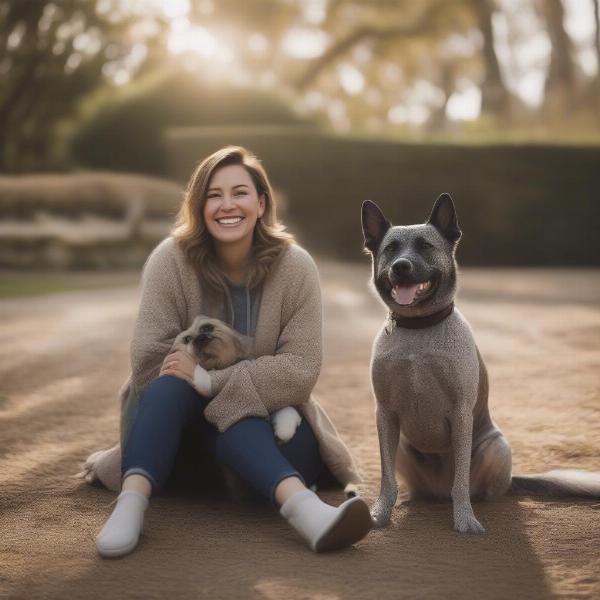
89, 472
89, 467
380, 518
285, 422
381, 513
465, 522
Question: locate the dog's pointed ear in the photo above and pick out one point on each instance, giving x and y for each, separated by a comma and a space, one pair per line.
374, 225
443, 218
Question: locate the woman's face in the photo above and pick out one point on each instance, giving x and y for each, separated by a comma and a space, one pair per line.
232, 206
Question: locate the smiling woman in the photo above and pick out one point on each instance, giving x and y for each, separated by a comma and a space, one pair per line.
231, 211
230, 259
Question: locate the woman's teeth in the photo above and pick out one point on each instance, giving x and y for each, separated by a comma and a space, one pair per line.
229, 220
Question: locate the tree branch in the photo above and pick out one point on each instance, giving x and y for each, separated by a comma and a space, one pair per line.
343, 45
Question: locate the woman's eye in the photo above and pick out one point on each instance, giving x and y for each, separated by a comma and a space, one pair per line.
241, 193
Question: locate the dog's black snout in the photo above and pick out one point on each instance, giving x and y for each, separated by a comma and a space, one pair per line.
402, 266
202, 339
204, 334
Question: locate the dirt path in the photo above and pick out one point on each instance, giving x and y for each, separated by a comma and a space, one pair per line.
62, 359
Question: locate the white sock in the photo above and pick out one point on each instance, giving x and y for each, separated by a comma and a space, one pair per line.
121, 532
325, 527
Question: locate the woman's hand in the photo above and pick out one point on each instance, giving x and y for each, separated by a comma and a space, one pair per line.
179, 363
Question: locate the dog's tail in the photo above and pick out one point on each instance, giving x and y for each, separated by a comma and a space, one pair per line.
558, 484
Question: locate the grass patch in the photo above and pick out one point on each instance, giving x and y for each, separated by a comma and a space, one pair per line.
22, 285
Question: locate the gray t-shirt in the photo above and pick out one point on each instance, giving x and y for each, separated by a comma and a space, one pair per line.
246, 303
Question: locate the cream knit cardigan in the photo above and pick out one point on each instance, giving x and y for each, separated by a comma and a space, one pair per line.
287, 353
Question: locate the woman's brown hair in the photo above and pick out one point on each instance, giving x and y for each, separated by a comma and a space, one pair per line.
190, 232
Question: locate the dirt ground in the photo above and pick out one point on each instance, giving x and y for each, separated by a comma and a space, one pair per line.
62, 360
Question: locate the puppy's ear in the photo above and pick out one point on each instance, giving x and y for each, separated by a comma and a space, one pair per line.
374, 225
443, 218
178, 341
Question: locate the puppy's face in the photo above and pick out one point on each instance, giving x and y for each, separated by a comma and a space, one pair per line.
214, 344
414, 269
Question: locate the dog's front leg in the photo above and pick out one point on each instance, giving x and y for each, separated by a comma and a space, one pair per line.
388, 428
462, 432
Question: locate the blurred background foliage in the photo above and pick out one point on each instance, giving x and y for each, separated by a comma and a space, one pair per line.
126, 131
494, 101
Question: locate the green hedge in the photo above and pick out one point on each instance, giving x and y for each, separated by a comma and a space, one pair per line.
517, 204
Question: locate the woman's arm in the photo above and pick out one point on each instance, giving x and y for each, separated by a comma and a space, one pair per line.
160, 316
262, 386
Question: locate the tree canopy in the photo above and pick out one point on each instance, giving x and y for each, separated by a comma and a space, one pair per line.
375, 66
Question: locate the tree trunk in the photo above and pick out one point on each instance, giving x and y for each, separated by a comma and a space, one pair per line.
438, 120
561, 79
495, 98
19, 84
596, 84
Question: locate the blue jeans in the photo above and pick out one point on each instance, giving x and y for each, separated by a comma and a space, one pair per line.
170, 408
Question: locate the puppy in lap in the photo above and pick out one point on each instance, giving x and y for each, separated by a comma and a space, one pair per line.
215, 345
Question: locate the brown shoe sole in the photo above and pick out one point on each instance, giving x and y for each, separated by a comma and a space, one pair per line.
353, 523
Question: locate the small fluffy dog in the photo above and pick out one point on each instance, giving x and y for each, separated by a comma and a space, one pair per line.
215, 345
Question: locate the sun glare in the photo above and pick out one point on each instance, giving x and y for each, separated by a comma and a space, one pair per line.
351, 79
176, 8
305, 43
464, 105
193, 39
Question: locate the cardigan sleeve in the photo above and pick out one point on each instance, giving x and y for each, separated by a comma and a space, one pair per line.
262, 386
159, 318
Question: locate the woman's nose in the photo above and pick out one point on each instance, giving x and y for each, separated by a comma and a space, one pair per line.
227, 201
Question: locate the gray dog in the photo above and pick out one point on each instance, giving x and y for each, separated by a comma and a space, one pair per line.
430, 381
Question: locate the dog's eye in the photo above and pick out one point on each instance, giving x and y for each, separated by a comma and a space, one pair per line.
392, 246
421, 243
206, 328
187, 339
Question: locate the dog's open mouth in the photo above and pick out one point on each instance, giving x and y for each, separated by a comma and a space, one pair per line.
405, 294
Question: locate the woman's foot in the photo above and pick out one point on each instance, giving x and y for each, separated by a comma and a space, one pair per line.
324, 527
121, 532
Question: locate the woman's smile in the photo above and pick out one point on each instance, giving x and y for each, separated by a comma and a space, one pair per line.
229, 221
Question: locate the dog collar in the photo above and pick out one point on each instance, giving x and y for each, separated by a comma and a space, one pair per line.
419, 322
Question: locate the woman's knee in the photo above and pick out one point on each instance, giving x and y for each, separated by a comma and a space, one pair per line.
170, 390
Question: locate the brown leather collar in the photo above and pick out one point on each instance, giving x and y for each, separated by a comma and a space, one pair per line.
419, 322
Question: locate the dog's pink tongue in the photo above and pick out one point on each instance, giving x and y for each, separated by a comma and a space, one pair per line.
404, 294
